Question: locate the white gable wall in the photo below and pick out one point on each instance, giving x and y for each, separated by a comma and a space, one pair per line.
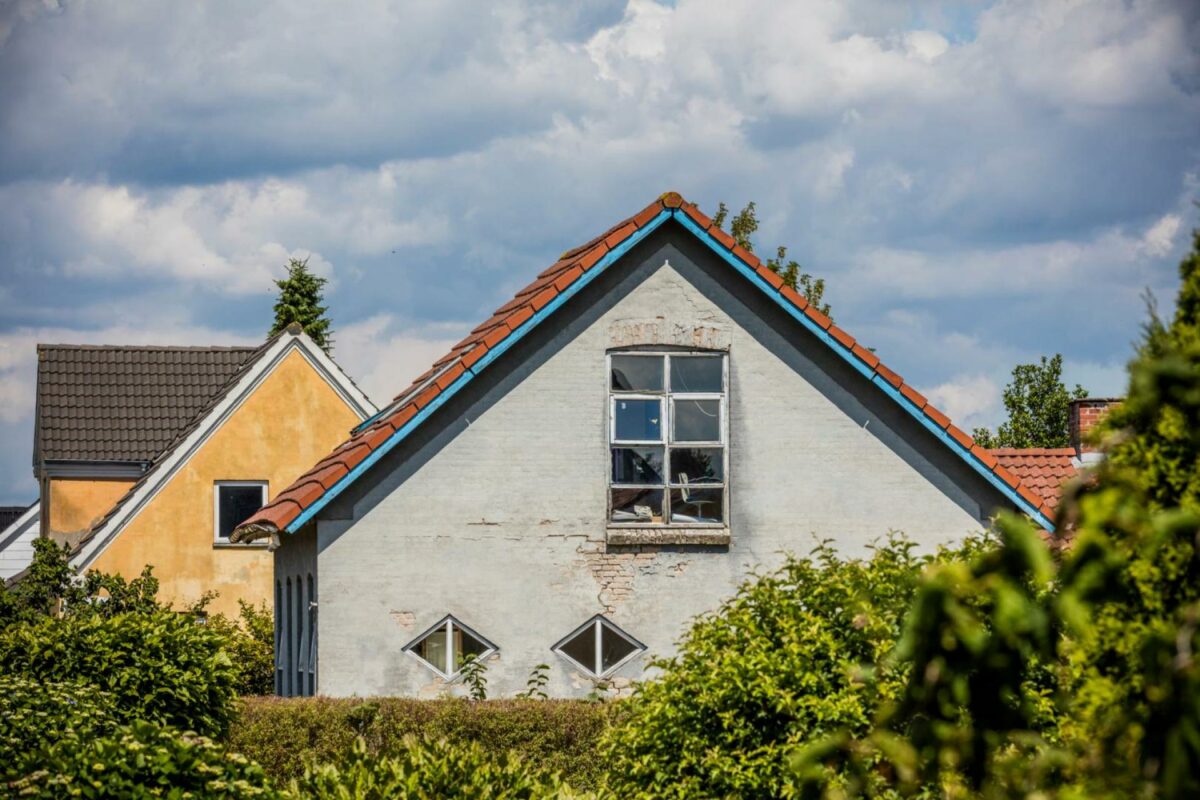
504, 525
16, 542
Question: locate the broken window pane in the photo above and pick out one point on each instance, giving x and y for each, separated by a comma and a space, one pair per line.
637, 505
433, 650
614, 648
638, 420
632, 373
697, 420
581, 648
696, 374
637, 465
697, 465
697, 505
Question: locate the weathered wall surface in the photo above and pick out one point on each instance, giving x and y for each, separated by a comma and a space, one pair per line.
74, 505
499, 517
285, 426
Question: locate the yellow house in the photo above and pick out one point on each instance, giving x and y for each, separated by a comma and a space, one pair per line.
152, 455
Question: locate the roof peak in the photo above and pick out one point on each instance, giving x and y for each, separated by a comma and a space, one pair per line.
554, 286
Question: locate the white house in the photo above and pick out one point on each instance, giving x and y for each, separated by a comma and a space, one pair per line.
601, 461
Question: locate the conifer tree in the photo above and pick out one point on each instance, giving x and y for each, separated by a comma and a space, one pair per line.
300, 298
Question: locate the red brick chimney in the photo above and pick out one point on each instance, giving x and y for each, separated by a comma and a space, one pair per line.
1085, 415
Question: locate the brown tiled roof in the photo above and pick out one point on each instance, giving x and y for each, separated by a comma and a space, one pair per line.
106, 403
1042, 469
517, 313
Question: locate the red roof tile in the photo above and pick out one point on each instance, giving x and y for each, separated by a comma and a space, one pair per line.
559, 277
1043, 470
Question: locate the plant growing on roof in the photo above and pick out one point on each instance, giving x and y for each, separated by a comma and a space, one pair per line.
742, 227
299, 301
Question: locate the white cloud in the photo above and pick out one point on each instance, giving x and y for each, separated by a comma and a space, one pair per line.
969, 400
384, 355
1159, 239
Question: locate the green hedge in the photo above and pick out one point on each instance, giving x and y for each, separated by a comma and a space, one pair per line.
283, 735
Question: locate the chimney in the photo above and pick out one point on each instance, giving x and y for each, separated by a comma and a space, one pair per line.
1086, 415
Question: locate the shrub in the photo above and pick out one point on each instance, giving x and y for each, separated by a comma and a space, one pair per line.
142, 760
250, 642
34, 715
795, 655
425, 769
553, 735
158, 666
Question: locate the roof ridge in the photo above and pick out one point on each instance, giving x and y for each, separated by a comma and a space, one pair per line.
575, 268
1032, 451
150, 347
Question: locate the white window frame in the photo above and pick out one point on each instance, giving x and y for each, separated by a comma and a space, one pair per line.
446, 622
264, 485
598, 623
666, 402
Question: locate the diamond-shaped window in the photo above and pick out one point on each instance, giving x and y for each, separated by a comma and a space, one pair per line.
598, 647
448, 645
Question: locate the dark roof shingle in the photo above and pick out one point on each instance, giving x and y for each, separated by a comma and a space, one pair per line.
107, 403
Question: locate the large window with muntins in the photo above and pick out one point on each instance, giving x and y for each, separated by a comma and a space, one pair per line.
448, 645
667, 438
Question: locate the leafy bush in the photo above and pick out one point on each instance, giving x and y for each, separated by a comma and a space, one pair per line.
552, 735
158, 666
34, 715
426, 769
142, 760
794, 656
250, 642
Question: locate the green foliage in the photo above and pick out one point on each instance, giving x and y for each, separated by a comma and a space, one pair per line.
158, 666
35, 714
535, 687
49, 587
474, 676
552, 735
796, 655
1126, 594
742, 228
142, 760
250, 643
300, 298
424, 770
1038, 405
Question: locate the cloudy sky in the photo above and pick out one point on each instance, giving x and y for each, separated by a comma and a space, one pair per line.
979, 182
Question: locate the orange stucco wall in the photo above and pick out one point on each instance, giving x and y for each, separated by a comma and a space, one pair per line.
286, 425
75, 505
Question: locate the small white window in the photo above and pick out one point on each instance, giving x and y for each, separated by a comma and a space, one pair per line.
234, 502
667, 437
446, 646
598, 647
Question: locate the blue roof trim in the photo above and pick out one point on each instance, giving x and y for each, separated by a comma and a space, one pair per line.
863, 369
398, 436
609, 258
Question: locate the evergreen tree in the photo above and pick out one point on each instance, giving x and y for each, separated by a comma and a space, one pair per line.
300, 297
743, 226
1039, 408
